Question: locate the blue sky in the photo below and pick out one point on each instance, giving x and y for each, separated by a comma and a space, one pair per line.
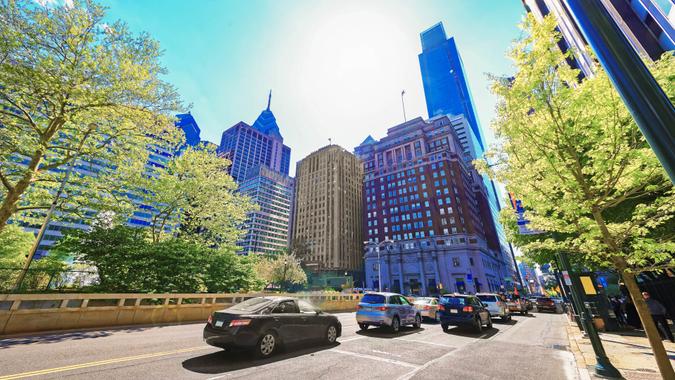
336, 68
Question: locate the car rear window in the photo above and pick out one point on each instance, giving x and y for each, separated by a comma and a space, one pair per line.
423, 301
252, 304
544, 300
488, 298
454, 300
373, 298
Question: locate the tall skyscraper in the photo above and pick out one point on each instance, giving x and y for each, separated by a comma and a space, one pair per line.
447, 93
328, 209
648, 25
249, 146
425, 210
260, 165
267, 230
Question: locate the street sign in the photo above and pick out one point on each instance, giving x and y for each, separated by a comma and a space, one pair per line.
566, 277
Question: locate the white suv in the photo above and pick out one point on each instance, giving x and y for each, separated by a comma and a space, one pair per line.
496, 304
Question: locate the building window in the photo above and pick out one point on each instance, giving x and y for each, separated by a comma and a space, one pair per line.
455, 261
471, 261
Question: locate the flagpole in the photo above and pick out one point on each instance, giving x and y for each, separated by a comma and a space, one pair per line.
403, 105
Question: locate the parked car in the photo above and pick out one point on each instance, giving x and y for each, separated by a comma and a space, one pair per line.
463, 310
517, 305
427, 306
387, 310
496, 304
264, 323
547, 304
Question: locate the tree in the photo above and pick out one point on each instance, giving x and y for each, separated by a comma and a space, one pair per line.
14, 243
572, 152
281, 270
195, 191
75, 91
229, 272
300, 248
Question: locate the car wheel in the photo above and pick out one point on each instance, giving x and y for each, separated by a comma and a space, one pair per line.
266, 345
395, 325
505, 318
331, 334
418, 321
363, 326
436, 317
444, 327
489, 324
478, 325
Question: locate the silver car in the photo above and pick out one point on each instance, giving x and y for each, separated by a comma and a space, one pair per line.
427, 306
387, 309
496, 305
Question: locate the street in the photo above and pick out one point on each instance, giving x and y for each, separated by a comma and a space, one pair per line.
528, 347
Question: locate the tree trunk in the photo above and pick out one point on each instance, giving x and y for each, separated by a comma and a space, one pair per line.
660, 354
13, 197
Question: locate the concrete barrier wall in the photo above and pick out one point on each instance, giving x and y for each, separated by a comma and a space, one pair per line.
28, 313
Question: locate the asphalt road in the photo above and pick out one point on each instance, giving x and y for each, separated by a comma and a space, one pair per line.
528, 347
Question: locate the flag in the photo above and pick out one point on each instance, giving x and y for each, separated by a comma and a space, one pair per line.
402, 92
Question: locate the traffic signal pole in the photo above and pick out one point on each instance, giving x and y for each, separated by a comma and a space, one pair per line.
652, 110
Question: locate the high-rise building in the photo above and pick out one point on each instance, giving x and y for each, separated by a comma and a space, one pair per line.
648, 25
447, 93
425, 212
261, 144
327, 211
267, 230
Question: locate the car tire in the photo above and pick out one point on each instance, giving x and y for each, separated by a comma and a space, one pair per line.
395, 325
418, 321
267, 344
363, 326
505, 318
478, 325
444, 327
436, 317
331, 334
489, 324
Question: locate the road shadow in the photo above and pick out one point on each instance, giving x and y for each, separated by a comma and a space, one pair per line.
500, 321
469, 332
385, 332
9, 342
528, 315
228, 361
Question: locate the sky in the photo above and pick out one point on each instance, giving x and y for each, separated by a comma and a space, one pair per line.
336, 68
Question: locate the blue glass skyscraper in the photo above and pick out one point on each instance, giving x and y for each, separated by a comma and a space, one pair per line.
447, 93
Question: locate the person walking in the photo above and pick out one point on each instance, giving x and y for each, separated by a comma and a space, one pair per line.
617, 306
658, 312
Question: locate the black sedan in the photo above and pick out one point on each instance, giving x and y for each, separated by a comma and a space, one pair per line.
264, 323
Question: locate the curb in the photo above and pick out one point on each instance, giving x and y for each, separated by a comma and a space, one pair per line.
582, 366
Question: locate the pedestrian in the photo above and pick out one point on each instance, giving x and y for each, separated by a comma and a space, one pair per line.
658, 312
632, 317
617, 306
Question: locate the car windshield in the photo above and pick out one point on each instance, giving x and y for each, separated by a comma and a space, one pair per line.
487, 298
373, 298
460, 301
252, 304
420, 301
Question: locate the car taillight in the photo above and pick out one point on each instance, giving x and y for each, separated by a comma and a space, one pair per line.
468, 309
382, 308
499, 304
210, 320
427, 307
240, 322
441, 307
359, 307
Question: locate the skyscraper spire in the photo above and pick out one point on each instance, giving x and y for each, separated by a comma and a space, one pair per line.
269, 100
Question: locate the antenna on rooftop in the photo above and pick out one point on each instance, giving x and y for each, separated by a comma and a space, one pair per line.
403, 104
269, 100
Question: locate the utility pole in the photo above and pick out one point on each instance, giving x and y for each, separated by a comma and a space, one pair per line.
403, 105
652, 110
43, 229
603, 367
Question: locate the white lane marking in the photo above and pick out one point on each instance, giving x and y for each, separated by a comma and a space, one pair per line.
425, 342
377, 358
350, 339
410, 374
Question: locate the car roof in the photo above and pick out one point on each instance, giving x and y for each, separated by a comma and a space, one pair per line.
487, 294
278, 298
385, 293
457, 295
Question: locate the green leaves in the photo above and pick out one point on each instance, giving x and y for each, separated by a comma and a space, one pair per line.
572, 152
281, 269
76, 90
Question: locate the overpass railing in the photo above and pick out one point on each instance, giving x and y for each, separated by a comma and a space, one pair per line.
28, 313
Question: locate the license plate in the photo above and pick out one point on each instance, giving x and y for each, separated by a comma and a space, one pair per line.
219, 323
453, 311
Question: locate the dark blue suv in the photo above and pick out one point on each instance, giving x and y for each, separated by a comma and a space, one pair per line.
463, 310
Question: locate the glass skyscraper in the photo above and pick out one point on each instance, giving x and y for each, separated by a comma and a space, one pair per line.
447, 93
260, 165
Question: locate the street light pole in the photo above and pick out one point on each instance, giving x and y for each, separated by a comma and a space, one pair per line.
379, 264
652, 110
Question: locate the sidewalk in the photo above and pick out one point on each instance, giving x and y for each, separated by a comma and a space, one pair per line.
628, 351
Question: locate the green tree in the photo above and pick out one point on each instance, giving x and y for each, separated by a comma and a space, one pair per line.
75, 91
14, 243
229, 272
282, 269
195, 191
572, 152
